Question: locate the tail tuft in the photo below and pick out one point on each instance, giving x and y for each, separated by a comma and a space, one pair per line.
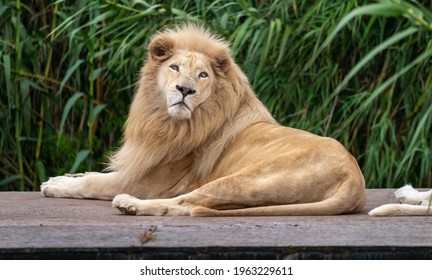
386, 210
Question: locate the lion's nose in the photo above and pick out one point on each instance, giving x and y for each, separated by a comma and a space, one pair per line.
185, 90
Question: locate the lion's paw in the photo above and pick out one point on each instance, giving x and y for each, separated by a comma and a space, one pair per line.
126, 204
130, 205
405, 194
408, 195
61, 186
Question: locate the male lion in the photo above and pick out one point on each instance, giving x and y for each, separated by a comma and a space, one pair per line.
198, 142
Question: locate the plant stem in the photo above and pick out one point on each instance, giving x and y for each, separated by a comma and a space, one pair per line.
42, 105
17, 98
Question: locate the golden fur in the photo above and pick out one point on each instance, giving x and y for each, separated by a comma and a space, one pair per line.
198, 141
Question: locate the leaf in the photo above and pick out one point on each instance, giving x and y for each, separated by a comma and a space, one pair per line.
427, 14
102, 52
147, 235
9, 179
69, 73
100, 18
3, 9
224, 21
80, 157
283, 44
95, 112
69, 104
95, 74
7, 72
40, 167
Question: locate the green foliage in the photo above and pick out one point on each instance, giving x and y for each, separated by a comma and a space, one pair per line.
358, 72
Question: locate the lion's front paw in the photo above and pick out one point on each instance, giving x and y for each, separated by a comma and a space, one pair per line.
61, 186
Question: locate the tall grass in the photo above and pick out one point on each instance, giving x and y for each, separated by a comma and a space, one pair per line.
358, 71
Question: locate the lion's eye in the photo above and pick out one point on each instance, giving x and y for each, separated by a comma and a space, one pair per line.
203, 75
174, 67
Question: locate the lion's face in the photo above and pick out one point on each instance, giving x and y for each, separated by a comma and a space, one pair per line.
186, 81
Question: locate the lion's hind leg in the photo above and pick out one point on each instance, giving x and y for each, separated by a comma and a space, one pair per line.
214, 195
247, 194
193, 204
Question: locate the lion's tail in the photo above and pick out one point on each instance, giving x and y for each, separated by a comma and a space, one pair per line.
331, 206
401, 210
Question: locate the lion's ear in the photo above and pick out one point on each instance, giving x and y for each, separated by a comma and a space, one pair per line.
222, 61
161, 48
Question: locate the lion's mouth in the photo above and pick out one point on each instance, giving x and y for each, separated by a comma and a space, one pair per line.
181, 103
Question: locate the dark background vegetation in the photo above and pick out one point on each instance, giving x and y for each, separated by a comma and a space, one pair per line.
358, 71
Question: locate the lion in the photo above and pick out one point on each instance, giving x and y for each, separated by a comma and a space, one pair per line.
411, 203
199, 142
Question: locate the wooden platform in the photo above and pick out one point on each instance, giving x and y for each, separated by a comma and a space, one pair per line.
34, 227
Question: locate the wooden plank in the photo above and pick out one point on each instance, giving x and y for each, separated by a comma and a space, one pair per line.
32, 226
